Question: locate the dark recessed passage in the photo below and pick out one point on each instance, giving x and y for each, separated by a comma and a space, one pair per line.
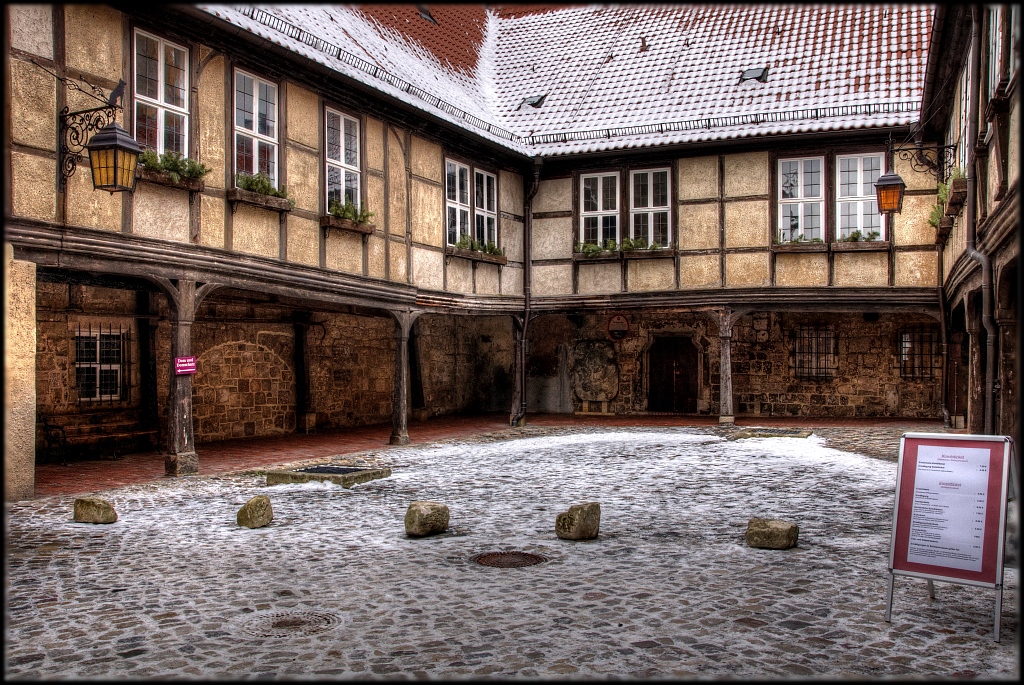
508, 559
332, 469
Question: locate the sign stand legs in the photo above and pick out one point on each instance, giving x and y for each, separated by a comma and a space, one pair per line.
888, 598
999, 610
931, 589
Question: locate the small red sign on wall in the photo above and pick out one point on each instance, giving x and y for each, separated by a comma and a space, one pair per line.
184, 365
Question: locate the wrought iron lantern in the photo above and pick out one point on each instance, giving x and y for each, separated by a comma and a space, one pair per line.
114, 157
889, 189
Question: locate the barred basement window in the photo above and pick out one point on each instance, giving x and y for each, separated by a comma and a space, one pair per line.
816, 352
919, 350
101, 363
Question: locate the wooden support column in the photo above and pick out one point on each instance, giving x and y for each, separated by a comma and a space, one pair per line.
183, 297
725, 321
516, 414
400, 396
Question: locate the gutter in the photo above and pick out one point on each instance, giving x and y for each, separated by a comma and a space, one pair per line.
538, 162
929, 76
972, 222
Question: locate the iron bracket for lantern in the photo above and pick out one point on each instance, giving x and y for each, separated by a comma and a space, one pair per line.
935, 159
75, 128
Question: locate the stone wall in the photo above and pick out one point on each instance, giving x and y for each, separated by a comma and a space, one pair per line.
19, 377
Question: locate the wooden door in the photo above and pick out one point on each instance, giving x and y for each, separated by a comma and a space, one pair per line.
672, 383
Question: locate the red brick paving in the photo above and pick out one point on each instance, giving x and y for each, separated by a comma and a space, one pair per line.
232, 455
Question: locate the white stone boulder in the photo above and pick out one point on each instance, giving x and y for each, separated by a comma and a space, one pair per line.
426, 518
94, 510
581, 522
771, 533
255, 513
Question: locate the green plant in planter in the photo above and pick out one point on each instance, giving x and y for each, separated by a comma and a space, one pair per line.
939, 208
491, 248
261, 183
610, 245
590, 249
349, 211
857, 237
176, 166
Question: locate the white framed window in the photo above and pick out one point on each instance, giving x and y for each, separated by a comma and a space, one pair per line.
995, 44
1014, 56
255, 126
649, 215
857, 214
485, 207
161, 95
801, 199
342, 159
99, 361
599, 208
457, 205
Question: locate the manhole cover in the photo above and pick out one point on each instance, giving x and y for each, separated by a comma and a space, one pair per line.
508, 559
331, 469
287, 623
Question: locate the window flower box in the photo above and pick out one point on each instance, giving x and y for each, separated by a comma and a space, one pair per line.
957, 196
648, 254
602, 256
329, 221
248, 197
476, 255
943, 230
163, 178
860, 245
800, 246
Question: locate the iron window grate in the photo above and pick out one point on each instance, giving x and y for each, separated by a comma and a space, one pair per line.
102, 363
816, 354
919, 352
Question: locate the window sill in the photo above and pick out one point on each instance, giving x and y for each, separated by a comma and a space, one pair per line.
247, 197
648, 254
799, 247
602, 256
163, 178
860, 246
475, 256
329, 221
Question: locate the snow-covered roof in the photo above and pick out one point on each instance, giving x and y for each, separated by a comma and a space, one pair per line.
618, 76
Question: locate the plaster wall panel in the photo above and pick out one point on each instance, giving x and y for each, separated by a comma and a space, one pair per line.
34, 186
375, 255
911, 225
211, 221
746, 174
647, 275
427, 269
19, 376
699, 271
211, 121
397, 199
32, 29
93, 40
304, 241
698, 227
375, 199
552, 238
915, 180
553, 279
801, 269
344, 252
487, 279
303, 185
256, 231
512, 281
698, 178
427, 160
1013, 146
303, 113
460, 275
373, 155
917, 269
510, 192
746, 269
853, 269
554, 195
427, 213
993, 177
595, 279
511, 239
33, 103
90, 207
160, 212
398, 256
746, 224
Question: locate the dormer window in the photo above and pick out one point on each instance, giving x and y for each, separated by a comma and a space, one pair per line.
756, 74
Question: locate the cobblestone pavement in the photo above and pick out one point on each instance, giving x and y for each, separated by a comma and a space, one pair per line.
332, 588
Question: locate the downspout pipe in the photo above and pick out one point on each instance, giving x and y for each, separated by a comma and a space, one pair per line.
972, 220
538, 162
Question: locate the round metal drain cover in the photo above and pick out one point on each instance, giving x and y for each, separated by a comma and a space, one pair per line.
288, 623
508, 559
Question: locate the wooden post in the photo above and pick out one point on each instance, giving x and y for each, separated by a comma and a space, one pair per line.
725, 413
305, 416
400, 396
516, 415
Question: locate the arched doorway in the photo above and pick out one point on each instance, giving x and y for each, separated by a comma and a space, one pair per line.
673, 382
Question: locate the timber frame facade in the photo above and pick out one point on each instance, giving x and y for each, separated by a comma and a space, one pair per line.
299, 322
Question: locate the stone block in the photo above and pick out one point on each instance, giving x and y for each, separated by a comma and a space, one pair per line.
255, 513
94, 510
581, 522
771, 533
426, 518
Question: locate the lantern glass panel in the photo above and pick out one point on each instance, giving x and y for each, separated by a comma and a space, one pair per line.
102, 162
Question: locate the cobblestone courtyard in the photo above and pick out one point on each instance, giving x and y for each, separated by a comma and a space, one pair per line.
332, 588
